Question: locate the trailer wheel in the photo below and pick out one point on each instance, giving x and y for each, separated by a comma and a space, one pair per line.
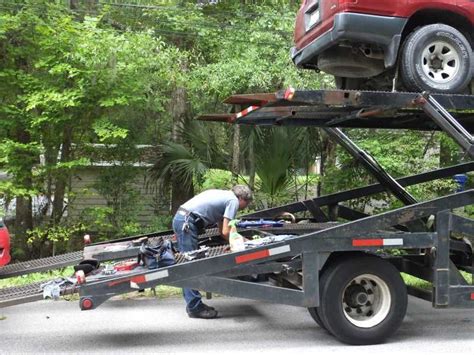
436, 58
363, 300
86, 303
313, 311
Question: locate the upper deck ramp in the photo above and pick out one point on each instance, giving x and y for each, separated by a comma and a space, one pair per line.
343, 108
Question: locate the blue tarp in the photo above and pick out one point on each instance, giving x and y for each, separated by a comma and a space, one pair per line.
260, 223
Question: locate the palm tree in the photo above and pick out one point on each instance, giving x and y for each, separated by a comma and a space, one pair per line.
277, 155
185, 164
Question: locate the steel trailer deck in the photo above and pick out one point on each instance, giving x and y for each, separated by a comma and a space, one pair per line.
343, 108
346, 274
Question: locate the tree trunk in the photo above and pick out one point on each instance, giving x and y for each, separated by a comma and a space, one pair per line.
328, 158
51, 159
81, 6
62, 177
23, 210
235, 154
180, 191
252, 163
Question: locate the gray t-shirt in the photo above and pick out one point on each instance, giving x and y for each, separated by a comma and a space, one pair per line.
213, 205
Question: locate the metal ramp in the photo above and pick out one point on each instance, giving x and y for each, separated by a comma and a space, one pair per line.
96, 250
447, 122
11, 296
109, 251
38, 265
344, 109
330, 109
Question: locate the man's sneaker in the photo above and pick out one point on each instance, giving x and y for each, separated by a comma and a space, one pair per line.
204, 313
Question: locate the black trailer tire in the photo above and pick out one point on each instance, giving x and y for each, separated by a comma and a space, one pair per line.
436, 58
363, 300
313, 311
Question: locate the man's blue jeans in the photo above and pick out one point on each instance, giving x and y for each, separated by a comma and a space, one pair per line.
188, 241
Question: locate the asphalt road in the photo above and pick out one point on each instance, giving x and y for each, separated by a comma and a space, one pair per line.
246, 326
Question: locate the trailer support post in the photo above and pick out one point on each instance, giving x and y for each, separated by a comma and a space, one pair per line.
441, 260
311, 266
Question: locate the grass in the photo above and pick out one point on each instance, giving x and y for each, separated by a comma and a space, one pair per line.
425, 285
416, 282
159, 292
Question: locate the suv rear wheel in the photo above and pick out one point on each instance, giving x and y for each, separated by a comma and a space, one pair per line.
436, 58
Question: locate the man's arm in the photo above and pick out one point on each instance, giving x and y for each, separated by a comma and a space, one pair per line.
224, 228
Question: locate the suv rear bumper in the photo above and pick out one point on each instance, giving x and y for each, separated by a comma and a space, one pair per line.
383, 31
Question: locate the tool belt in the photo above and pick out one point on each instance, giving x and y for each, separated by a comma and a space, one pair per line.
159, 255
197, 220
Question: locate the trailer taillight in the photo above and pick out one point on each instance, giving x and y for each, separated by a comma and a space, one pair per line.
289, 93
80, 277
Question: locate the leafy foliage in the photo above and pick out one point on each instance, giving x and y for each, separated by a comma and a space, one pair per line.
58, 235
400, 153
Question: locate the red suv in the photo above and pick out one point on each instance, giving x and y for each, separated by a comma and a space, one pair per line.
370, 44
4, 244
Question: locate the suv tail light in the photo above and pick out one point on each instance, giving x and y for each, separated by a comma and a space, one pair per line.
4, 245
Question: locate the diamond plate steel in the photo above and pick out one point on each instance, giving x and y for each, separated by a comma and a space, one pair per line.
44, 264
11, 296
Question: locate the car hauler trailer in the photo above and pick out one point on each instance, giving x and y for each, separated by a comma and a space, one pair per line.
344, 273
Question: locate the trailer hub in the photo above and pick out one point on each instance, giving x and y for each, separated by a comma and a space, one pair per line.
366, 300
356, 296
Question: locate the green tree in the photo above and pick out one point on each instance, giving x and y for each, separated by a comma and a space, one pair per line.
227, 51
65, 82
401, 153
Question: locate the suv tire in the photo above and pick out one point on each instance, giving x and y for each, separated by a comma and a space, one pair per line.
436, 58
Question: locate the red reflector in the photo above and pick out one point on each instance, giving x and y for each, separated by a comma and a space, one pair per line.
252, 256
289, 93
472, 296
367, 242
138, 279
